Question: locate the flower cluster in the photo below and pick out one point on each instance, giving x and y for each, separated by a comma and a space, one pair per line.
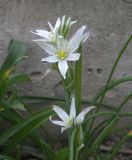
62, 49
58, 45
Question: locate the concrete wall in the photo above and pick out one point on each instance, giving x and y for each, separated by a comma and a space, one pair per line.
109, 23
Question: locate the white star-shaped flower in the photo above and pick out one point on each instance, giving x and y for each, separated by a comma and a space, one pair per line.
48, 36
61, 26
71, 120
64, 50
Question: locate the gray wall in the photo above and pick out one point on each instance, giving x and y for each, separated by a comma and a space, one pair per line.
109, 23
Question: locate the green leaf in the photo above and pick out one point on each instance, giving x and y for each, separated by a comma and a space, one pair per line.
98, 114
17, 51
23, 128
3, 157
14, 117
114, 67
110, 77
116, 148
62, 154
18, 106
20, 78
107, 130
126, 99
113, 84
33, 99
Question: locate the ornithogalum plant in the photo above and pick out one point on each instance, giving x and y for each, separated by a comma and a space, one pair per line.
85, 134
62, 50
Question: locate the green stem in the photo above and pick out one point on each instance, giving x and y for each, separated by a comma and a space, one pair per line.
67, 96
78, 72
72, 144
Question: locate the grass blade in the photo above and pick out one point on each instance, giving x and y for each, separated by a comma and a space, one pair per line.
114, 150
18, 132
103, 135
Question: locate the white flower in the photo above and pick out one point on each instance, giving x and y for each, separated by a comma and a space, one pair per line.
61, 26
64, 50
48, 36
71, 120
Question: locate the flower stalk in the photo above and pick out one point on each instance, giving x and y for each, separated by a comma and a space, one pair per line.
78, 75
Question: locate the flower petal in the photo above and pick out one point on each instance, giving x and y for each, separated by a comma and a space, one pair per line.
85, 37
61, 113
76, 39
67, 24
64, 128
57, 25
60, 123
78, 33
50, 59
72, 22
62, 23
62, 44
41, 40
73, 108
73, 56
59, 42
80, 117
51, 27
41, 33
50, 49
63, 67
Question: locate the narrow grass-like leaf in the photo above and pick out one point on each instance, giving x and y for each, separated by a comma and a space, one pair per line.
126, 99
62, 154
114, 67
110, 77
116, 148
14, 117
98, 114
23, 128
20, 78
126, 114
37, 100
107, 130
4, 157
111, 86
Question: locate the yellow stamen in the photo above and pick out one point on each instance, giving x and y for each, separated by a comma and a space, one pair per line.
62, 54
70, 122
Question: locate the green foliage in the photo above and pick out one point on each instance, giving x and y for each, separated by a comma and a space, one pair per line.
62, 154
22, 135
